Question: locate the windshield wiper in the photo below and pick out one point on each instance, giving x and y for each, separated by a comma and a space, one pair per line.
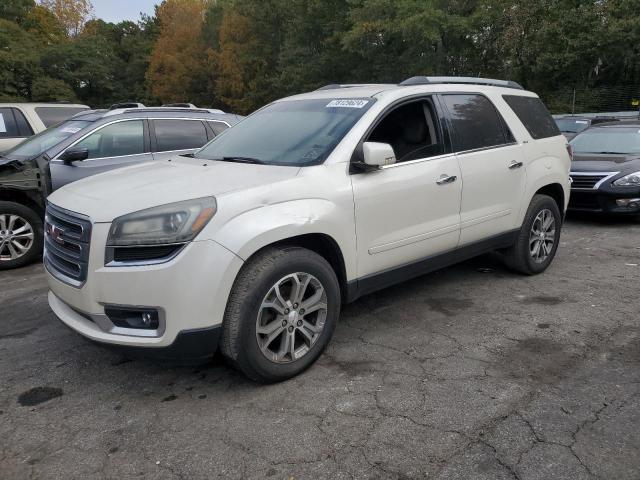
612, 153
241, 160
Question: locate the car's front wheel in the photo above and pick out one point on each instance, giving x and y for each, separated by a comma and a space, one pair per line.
21, 235
538, 239
281, 313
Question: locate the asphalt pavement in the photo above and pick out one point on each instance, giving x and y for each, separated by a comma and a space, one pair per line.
472, 372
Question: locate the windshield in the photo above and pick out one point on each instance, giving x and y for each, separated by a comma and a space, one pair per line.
570, 125
608, 140
295, 132
40, 143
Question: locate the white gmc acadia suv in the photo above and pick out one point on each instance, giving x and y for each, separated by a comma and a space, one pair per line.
253, 243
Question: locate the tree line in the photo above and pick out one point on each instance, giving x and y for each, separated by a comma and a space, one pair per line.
240, 54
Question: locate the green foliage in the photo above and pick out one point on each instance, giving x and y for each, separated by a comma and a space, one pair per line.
241, 54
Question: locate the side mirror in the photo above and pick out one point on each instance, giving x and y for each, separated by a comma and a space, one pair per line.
75, 155
378, 154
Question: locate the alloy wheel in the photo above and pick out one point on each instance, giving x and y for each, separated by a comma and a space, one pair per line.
291, 317
542, 236
16, 237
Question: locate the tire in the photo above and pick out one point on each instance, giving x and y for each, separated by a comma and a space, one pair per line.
12, 215
521, 257
242, 340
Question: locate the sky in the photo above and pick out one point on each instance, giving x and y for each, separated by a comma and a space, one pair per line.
118, 10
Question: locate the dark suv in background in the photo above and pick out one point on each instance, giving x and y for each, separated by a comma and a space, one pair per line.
91, 142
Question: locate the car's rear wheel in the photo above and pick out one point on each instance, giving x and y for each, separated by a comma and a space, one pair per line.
281, 313
537, 242
21, 235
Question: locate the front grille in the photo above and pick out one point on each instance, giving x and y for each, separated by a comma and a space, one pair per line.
66, 245
585, 182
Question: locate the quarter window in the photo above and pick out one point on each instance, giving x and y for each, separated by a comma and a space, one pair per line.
534, 116
115, 140
218, 127
476, 122
179, 134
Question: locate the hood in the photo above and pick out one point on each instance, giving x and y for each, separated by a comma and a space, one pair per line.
109, 195
600, 162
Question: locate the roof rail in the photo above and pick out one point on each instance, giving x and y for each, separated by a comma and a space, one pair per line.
422, 80
120, 105
166, 109
181, 105
334, 86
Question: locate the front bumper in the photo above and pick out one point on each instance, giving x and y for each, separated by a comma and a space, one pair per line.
190, 291
604, 201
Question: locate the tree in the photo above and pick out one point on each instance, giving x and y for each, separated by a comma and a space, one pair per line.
73, 14
178, 64
15, 10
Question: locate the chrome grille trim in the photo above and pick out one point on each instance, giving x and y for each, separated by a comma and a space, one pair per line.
66, 245
589, 180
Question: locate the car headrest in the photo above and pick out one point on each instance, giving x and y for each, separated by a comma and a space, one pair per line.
414, 132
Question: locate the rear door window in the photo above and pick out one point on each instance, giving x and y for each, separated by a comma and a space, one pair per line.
476, 122
51, 116
179, 134
534, 116
115, 140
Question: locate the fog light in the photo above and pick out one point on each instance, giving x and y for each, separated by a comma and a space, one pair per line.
142, 319
628, 202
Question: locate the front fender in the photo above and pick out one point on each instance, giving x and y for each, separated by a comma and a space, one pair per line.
252, 230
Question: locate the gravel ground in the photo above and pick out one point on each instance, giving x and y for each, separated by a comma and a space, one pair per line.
469, 373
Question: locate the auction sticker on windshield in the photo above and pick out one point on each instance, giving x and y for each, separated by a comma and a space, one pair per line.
347, 103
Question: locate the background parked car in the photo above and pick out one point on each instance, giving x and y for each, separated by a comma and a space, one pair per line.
570, 126
19, 121
89, 143
606, 169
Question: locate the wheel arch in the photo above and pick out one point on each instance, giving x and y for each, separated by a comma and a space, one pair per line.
555, 191
27, 198
322, 244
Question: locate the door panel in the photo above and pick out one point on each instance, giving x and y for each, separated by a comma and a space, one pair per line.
403, 215
491, 162
491, 191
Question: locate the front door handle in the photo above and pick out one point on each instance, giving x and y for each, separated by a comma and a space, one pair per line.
513, 165
444, 179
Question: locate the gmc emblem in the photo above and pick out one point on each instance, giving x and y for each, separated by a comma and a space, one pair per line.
55, 233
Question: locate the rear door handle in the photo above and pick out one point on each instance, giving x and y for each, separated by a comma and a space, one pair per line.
513, 165
444, 179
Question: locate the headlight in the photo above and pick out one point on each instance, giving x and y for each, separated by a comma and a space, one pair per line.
631, 180
173, 223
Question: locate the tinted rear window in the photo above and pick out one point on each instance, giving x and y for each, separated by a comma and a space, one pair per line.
476, 122
179, 134
51, 116
534, 116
